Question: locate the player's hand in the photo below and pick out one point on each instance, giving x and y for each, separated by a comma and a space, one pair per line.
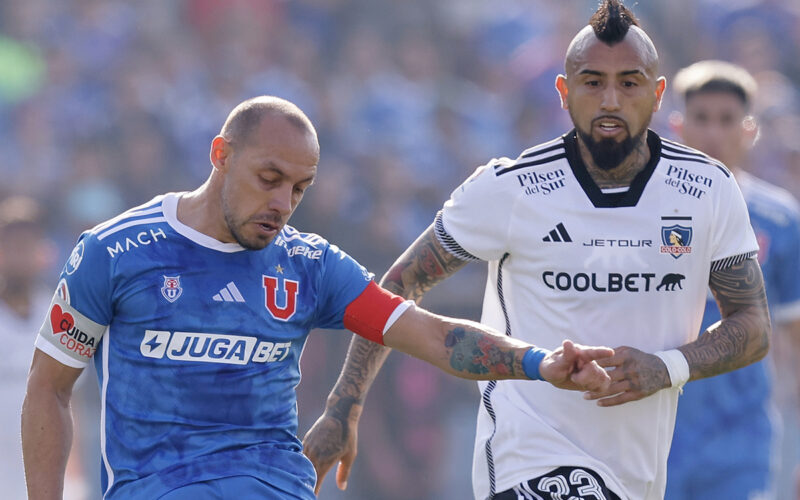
331, 440
634, 375
573, 366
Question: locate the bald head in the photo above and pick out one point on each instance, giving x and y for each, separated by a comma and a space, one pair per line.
247, 116
611, 24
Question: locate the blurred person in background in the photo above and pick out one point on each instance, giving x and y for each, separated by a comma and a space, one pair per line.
562, 227
25, 254
212, 415
726, 437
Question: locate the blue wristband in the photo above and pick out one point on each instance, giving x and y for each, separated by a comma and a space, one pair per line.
531, 361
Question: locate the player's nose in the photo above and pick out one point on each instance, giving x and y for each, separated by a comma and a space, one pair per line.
281, 200
610, 100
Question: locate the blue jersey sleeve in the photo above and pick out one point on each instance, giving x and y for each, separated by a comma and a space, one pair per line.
343, 279
82, 306
786, 285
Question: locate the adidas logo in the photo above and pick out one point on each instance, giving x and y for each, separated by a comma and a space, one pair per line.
558, 234
229, 294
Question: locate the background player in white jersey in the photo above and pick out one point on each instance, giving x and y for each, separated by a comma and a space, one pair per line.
577, 233
196, 306
725, 434
25, 253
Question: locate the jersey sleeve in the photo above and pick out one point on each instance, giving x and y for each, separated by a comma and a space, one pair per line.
81, 307
474, 222
732, 239
342, 280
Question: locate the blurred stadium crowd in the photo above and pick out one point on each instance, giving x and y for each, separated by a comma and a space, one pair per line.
106, 103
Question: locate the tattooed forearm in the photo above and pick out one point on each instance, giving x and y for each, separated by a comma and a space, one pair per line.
421, 267
742, 337
415, 272
473, 354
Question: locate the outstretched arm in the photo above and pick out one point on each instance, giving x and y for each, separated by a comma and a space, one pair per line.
333, 437
473, 351
739, 339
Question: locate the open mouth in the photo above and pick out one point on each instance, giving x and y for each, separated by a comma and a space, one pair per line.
609, 126
268, 228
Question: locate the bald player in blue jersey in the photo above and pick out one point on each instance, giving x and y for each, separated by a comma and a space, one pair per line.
725, 440
195, 308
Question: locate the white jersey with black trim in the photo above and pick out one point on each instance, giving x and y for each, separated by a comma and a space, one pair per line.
567, 260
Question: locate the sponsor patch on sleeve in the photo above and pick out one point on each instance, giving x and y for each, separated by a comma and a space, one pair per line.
67, 335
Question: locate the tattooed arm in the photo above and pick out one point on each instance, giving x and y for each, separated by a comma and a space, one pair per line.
739, 339
333, 437
742, 337
474, 351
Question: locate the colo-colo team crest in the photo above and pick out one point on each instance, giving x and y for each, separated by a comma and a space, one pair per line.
676, 238
172, 288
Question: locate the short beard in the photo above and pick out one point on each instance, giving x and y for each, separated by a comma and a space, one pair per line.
608, 154
234, 227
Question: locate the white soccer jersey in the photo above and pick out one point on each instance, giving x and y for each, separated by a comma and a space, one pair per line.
17, 335
567, 260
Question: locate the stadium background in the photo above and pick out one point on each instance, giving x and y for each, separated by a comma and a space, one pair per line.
104, 104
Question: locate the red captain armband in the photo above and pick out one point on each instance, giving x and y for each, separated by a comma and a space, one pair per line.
369, 313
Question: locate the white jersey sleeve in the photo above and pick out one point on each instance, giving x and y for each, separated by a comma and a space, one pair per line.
474, 222
733, 239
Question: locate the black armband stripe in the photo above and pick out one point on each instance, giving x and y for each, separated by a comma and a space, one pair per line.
447, 241
719, 265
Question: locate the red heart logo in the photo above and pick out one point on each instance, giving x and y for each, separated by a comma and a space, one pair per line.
60, 321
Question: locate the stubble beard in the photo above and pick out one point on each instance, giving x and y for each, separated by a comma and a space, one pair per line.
235, 228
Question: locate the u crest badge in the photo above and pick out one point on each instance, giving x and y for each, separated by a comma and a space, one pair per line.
172, 288
289, 296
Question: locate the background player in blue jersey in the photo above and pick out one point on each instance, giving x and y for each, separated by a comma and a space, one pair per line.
196, 306
724, 435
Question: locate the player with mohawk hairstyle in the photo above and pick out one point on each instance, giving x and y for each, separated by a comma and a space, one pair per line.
607, 234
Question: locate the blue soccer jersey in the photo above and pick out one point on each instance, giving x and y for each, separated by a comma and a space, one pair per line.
723, 422
196, 345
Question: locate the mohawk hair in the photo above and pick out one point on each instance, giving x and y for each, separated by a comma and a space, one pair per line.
611, 21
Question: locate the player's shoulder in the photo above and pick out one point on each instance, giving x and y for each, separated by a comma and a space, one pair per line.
315, 254
136, 227
132, 219
680, 155
541, 156
767, 200
300, 244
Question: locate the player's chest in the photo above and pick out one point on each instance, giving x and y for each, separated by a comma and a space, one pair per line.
271, 297
564, 238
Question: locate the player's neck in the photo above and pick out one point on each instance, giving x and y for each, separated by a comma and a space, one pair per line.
201, 211
623, 174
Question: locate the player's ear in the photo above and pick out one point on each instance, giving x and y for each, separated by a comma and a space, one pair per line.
661, 85
676, 124
751, 130
220, 152
561, 87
